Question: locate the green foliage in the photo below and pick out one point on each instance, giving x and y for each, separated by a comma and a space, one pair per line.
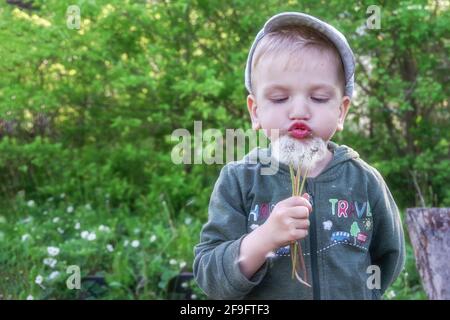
86, 117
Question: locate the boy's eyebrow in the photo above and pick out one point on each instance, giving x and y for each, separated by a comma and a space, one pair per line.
323, 86
274, 87
328, 87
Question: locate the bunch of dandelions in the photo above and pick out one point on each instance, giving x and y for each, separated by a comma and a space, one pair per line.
307, 161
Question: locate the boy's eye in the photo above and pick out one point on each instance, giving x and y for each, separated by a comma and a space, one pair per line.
279, 100
319, 100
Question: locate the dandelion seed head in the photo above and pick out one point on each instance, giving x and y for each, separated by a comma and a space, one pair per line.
306, 152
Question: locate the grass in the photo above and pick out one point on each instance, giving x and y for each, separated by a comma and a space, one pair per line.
131, 257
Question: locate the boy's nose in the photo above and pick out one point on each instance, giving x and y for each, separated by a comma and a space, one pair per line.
299, 109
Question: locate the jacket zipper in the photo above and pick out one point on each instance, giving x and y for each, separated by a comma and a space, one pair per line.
313, 247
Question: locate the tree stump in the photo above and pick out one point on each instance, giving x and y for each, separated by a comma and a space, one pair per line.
429, 230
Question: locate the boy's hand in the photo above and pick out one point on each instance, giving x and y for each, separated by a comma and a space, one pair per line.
288, 221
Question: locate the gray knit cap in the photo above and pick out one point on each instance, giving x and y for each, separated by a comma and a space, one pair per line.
301, 19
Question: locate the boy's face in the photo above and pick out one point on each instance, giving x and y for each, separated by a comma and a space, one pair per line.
305, 91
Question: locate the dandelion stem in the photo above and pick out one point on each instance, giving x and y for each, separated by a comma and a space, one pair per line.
295, 247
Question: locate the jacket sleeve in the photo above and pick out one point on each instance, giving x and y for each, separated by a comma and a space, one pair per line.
387, 248
216, 266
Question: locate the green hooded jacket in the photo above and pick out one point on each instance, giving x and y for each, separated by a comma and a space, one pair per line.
355, 245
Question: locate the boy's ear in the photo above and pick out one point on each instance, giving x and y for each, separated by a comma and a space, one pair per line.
252, 108
343, 110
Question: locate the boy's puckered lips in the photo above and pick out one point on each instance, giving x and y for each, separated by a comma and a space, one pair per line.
300, 130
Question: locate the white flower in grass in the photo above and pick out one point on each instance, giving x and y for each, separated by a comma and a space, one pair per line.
53, 275
39, 279
30, 297
104, 228
91, 236
77, 226
53, 251
125, 243
45, 212
61, 231
182, 264
55, 220
153, 238
25, 237
62, 195
31, 203
193, 296
135, 243
184, 285
109, 247
188, 221
136, 231
84, 234
70, 209
173, 261
50, 199
28, 219
391, 294
50, 262
88, 207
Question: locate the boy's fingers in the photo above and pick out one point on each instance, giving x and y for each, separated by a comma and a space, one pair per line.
298, 212
296, 201
301, 224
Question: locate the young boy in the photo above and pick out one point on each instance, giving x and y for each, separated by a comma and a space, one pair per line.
299, 76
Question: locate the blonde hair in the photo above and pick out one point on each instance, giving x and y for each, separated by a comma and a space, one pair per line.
292, 40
